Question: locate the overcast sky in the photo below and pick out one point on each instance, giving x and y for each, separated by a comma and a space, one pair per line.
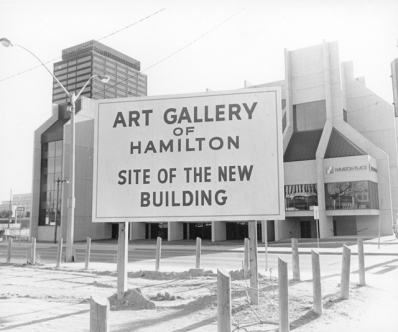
183, 46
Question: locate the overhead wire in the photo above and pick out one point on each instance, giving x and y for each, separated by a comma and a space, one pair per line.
168, 56
85, 45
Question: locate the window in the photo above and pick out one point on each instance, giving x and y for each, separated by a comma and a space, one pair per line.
344, 115
300, 197
351, 195
87, 58
51, 171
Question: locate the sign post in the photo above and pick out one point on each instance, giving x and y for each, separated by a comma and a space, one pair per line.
215, 156
316, 217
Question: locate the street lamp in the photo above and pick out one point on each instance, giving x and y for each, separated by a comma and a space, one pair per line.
71, 199
57, 217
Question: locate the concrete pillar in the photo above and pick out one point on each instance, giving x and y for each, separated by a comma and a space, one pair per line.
176, 231
218, 231
137, 231
264, 233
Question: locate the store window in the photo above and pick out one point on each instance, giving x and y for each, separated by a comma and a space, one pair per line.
50, 191
300, 197
351, 195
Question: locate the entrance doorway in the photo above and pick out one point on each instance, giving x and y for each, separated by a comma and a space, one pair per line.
305, 226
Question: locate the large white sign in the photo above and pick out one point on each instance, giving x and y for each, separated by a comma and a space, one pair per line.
209, 156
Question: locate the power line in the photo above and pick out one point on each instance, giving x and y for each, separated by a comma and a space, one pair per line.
94, 41
170, 55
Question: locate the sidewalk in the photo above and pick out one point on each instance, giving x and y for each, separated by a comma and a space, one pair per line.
329, 246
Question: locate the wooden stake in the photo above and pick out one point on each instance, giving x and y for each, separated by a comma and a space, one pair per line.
223, 301
283, 292
99, 314
345, 274
158, 252
265, 232
9, 250
59, 252
295, 260
253, 291
88, 253
361, 263
122, 256
316, 283
33, 252
246, 265
198, 251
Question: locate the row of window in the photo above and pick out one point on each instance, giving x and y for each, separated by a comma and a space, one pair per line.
338, 196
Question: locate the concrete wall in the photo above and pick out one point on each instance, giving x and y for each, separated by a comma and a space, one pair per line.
137, 231
84, 149
218, 231
176, 231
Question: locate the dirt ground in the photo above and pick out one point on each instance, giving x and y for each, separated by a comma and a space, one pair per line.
45, 299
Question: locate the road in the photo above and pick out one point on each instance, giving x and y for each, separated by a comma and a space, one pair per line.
143, 258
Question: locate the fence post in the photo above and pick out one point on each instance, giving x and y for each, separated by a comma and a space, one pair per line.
158, 252
9, 250
316, 283
33, 252
99, 314
88, 252
253, 291
345, 273
198, 251
246, 266
295, 260
122, 258
59, 252
361, 263
223, 301
283, 293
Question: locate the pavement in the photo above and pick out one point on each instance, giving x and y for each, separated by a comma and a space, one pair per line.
386, 245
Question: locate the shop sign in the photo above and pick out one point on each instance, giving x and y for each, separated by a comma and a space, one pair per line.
332, 170
209, 156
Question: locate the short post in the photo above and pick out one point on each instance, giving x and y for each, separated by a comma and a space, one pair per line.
361, 263
253, 291
198, 251
246, 264
59, 252
122, 256
316, 283
345, 274
283, 294
99, 314
158, 253
265, 232
295, 260
33, 251
9, 250
88, 252
223, 301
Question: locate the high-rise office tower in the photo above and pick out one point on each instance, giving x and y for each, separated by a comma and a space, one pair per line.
82, 61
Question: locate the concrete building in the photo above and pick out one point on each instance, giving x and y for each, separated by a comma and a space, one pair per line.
340, 154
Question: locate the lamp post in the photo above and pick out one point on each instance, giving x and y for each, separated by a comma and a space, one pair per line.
71, 199
57, 218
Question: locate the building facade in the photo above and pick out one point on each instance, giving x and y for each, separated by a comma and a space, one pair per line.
340, 154
52, 139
